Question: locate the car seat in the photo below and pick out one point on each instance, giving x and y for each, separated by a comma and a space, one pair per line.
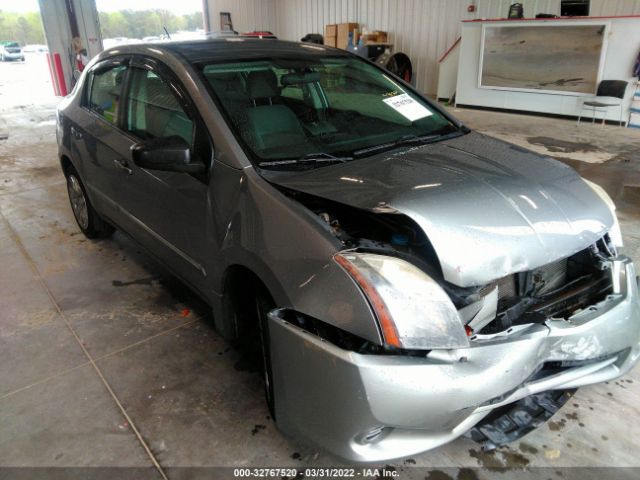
270, 123
230, 89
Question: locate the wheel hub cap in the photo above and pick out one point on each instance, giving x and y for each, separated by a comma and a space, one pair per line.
78, 202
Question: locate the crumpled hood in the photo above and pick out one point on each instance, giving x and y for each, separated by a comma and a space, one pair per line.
488, 207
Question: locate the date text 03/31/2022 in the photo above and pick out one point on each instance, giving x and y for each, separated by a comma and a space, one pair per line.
319, 472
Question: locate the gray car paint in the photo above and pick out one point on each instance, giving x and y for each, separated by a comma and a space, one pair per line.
246, 222
238, 219
333, 397
489, 208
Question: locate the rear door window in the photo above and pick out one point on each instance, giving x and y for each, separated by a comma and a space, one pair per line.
106, 92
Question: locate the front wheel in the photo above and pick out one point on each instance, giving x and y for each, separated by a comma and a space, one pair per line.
89, 221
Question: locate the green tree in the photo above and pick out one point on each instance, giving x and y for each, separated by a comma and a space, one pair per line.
146, 23
25, 28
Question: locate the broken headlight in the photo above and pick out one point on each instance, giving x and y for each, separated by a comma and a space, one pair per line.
614, 232
413, 311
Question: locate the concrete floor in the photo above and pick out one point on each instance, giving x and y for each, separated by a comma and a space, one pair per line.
106, 360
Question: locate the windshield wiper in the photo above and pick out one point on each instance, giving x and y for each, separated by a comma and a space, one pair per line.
415, 139
321, 157
406, 140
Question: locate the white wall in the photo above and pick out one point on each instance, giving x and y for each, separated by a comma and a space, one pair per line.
614, 7
246, 15
500, 8
423, 29
599, 8
617, 66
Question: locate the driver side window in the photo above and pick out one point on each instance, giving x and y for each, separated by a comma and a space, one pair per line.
153, 111
106, 90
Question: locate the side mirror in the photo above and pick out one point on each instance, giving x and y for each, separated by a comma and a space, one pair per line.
170, 154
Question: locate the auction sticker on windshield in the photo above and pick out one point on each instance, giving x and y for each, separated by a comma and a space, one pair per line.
407, 107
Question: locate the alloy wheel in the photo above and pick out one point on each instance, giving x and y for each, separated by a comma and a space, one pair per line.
78, 202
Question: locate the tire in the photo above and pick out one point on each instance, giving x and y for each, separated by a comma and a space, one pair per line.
508, 423
89, 221
264, 304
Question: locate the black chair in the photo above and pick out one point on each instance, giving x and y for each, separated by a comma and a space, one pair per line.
610, 93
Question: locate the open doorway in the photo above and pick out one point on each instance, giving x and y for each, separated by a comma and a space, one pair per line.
125, 22
24, 74
44, 46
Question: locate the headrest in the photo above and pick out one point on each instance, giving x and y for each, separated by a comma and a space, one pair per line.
297, 78
262, 84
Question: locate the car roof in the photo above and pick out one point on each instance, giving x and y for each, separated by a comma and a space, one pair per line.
245, 48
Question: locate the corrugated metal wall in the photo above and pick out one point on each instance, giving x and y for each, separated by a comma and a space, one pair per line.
600, 8
247, 15
500, 8
423, 29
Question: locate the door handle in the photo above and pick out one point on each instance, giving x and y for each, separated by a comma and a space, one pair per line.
76, 134
122, 165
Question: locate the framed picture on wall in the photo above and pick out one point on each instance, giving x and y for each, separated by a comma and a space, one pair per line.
552, 57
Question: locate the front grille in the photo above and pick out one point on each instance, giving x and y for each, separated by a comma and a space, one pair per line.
507, 288
550, 277
557, 290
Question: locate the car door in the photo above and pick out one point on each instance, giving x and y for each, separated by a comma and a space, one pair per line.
170, 210
97, 141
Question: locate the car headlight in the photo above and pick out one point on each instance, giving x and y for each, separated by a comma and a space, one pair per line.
615, 234
413, 311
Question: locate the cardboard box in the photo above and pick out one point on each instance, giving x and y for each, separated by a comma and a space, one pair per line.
375, 37
344, 29
331, 30
382, 37
330, 41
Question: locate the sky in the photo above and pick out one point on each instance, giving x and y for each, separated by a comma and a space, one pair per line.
178, 7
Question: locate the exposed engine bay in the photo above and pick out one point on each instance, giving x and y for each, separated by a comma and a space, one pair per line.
556, 290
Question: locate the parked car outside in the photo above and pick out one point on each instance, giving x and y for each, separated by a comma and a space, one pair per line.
10, 51
35, 48
409, 280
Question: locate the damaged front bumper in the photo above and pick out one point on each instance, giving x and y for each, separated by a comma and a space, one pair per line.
367, 407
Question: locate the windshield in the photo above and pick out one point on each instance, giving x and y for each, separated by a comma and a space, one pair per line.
298, 108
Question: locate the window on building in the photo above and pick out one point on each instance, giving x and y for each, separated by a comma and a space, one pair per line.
574, 8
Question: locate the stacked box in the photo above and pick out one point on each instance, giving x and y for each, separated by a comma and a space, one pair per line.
330, 35
377, 36
344, 29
